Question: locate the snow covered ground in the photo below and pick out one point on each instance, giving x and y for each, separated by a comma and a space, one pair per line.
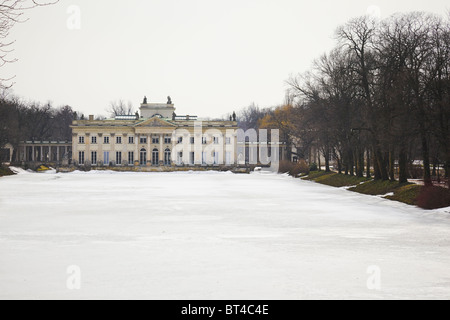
213, 236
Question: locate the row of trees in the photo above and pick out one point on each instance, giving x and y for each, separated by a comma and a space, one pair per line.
21, 121
380, 99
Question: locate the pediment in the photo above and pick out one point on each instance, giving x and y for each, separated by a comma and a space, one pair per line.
154, 123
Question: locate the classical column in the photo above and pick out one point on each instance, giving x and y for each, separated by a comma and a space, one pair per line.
100, 148
198, 146
125, 147
87, 156
75, 147
161, 149
150, 151
112, 156
57, 154
40, 155
137, 153
25, 153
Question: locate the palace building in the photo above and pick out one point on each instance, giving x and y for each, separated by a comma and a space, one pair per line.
154, 137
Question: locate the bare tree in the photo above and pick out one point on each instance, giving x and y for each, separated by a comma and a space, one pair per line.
249, 117
357, 37
383, 92
121, 108
12, 12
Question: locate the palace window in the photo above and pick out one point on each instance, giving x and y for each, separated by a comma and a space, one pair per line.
118, 158
131, 157
228, 140
204, 140
228, 157
106, 158
81, 157
155, 140
192, 140
167, 140
143, 140
180, 140
167, 157
216, 140
94, 158
94, 140
216, 157
143, 157
118, 140
106, 140
131, 140
180, 157
203, 157
155, 157
192, 158
81, 140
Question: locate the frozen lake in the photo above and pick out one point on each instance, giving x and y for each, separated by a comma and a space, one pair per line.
213, 236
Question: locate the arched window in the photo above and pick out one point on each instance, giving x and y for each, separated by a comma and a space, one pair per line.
143, 157
167, 157
155, 157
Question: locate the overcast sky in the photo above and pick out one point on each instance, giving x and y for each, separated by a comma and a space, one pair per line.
211, 57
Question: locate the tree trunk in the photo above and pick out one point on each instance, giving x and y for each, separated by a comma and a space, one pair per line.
360, 166
435, 165
351, 164
402, 166
426, 159
381, 165
339, 165
346, 162
327, 160
376, 166
447, 167
392, 164
368, 175
320, 165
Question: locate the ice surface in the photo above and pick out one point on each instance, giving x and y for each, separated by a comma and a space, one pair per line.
213, 236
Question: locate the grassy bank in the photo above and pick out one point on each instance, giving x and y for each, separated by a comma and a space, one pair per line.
407, 192
375, 188
4, 171
334, 179
412, 194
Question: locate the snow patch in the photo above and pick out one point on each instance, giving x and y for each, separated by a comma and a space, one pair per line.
347, 187
18, 170
390, 194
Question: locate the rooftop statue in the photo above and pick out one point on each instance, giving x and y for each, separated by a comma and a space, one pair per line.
145, 100
169, 100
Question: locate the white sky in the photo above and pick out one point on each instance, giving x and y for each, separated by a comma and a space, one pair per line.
211, 57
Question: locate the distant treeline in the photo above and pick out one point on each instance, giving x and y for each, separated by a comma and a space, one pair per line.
21, 121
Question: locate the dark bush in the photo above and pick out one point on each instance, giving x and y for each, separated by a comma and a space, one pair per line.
294, 169
87, 166
302, 167
433, 198
4, 171
285, 166
415, 171
313, 167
